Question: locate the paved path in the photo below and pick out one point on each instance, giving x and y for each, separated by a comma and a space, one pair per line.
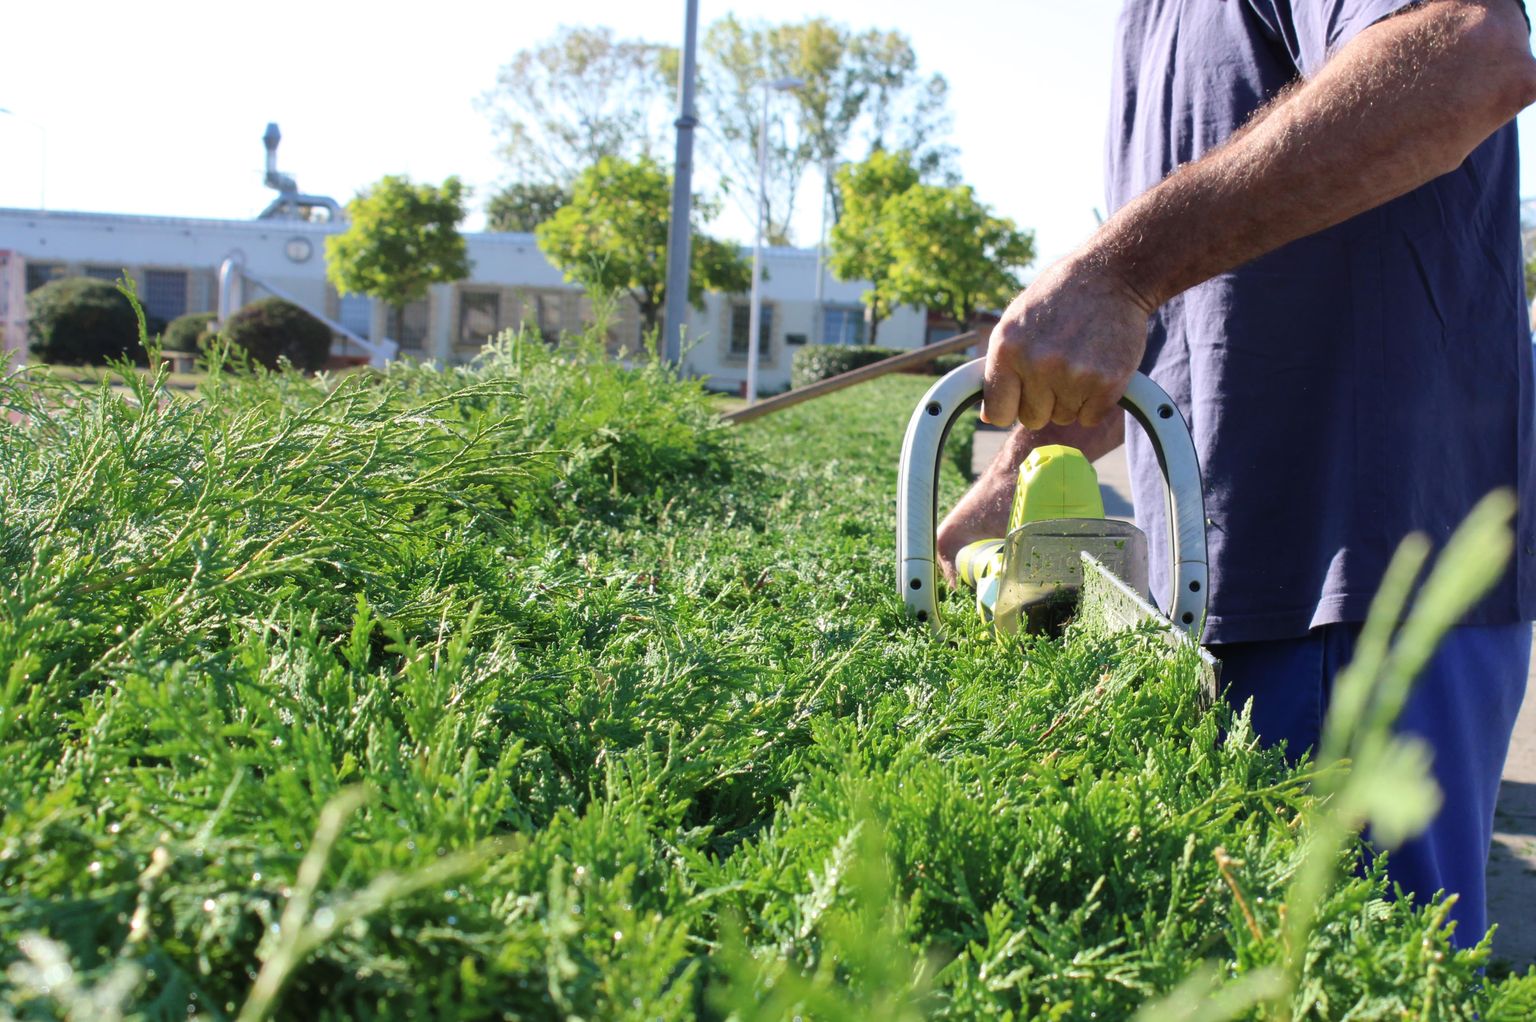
1512, 867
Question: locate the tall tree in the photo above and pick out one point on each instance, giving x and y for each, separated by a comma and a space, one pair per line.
859, 244
861, 92
401, 239
951, 254
564, 104
612, 236
522, 206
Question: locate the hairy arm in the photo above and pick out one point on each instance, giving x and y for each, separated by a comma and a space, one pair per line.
1403, 102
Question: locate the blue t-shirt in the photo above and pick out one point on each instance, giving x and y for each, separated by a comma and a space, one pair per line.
1348, 388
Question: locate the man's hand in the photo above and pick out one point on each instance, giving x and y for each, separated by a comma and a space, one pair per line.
1065, 348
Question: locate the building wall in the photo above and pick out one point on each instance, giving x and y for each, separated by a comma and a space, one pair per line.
511, 285
13, 320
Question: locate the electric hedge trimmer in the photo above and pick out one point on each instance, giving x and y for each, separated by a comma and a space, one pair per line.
1061, 559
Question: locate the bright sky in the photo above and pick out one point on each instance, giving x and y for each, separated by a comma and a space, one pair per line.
159, 106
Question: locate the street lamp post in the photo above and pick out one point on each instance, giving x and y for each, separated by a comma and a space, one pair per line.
755, 313
675, 310
42, 161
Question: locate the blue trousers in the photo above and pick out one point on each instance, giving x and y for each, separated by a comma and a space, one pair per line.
1464, 705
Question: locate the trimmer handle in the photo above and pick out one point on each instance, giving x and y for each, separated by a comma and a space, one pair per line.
917, 492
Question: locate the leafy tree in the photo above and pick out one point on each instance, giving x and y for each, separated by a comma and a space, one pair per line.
402, 238
859, 243
613, 237
951, 254
862, 92
523, 206
561, 106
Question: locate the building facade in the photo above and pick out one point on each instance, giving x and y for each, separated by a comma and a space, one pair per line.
175, 266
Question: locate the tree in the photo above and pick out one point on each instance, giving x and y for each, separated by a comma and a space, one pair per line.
951, 254
522, 206
859, 243
613, 237
402, 238
566, 103
861, 92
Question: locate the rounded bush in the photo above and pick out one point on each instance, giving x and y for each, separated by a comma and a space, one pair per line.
820, 361
271, 329
185, 333
82, 321
945, 364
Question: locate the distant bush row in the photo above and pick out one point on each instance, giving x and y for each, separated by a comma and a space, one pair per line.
820, 362
86, 321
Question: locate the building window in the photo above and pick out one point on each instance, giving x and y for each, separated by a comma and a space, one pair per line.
543, 312
355, 312
741, 320
411, 324
842, 324
108, 273
39, 274
479, 312
165, 294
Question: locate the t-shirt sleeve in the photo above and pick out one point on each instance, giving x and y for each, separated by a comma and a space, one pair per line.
1314, 30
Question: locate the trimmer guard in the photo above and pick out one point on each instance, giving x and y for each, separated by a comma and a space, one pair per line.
1148, 404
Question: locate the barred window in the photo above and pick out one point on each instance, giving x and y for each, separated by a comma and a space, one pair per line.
39, 274
165, 294
741, 319
842, 324
479, 312
355, 313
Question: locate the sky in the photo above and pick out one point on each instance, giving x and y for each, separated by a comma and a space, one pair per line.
158, 107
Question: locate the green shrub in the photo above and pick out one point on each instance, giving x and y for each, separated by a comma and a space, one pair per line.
821, 361
644, 730
185, 333
272, 329
82, 321
946, 364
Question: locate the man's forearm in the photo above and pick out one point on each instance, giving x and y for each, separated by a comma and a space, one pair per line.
1404, 102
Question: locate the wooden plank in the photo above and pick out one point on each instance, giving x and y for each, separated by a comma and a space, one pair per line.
894, 364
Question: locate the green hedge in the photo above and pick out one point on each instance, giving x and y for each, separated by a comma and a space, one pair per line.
531, 690
185, 333
945, 364
820, 361
82, 321
271, 330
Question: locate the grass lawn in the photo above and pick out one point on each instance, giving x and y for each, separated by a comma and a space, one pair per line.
95, 374
530, 690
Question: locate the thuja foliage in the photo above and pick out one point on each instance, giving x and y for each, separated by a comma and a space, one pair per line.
528, 690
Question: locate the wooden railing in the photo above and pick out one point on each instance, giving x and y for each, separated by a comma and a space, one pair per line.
895, 364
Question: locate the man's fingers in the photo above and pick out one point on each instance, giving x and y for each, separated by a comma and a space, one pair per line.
1000, 392
1096, 409
1036, 404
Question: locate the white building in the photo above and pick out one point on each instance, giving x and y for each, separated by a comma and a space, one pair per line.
175, 265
